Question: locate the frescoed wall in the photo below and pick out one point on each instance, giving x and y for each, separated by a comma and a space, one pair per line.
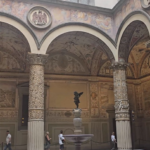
59, 14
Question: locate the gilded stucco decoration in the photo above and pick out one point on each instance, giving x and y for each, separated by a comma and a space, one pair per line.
39, 17
7, 98
120, 91
36, 88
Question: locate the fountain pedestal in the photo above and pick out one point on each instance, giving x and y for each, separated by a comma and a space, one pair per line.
77, 121
77, 137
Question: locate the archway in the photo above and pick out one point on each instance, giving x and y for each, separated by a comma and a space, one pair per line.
14, 48
134, 49
77, 28
23, 29
84, 49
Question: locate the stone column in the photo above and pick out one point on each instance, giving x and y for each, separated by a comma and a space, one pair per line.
36, 102
122, 115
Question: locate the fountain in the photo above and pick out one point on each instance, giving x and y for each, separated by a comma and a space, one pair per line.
77, 137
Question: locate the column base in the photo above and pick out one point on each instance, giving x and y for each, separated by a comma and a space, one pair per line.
35, 135
124, 141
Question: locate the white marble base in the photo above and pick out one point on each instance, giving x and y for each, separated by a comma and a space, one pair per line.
124, 141
35, 135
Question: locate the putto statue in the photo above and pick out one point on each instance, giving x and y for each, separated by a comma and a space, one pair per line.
76, 98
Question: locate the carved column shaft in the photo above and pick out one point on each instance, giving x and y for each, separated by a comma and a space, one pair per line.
36, 102
122, 107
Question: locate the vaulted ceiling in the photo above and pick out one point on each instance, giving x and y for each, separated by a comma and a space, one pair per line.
139, 58
13, 49
77, 53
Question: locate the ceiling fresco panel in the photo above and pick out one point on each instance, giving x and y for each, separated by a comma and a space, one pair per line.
91, 51
13, 49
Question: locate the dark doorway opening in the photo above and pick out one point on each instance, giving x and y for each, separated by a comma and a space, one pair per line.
114, 128
24, 118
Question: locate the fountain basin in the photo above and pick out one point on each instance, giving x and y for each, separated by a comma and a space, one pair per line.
78, 138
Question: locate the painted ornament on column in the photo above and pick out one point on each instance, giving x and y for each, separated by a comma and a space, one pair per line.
39, 17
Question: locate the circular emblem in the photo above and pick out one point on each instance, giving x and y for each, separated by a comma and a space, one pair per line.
39, 17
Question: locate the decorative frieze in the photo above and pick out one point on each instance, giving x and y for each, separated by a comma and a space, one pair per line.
8, 114
65, 114
7, 98
36, 114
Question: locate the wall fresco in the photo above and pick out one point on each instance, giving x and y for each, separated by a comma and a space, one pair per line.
128, 7
146, 94
7, 95
145, 69
59, 15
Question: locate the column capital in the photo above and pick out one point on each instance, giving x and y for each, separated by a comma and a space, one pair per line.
119, 65
37, 59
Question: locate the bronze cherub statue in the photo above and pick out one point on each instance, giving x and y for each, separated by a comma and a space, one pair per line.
76, 98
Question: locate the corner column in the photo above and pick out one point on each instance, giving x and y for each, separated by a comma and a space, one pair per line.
122, 115
36, 102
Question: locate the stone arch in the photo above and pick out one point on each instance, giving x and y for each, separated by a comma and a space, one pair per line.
52, 35
128, 26
23, 28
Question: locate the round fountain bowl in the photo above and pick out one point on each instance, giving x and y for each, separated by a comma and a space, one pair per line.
78, 138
